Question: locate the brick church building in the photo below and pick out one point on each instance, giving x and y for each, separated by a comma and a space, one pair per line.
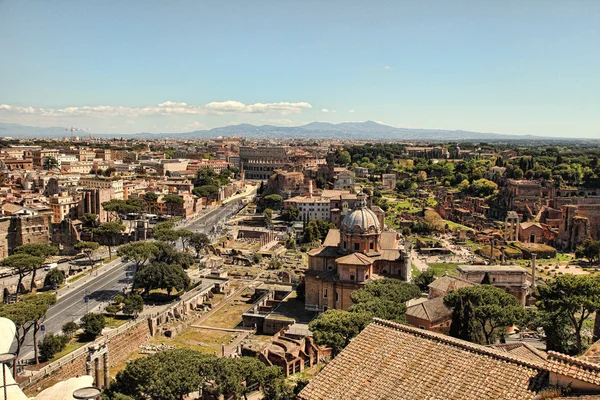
350, 257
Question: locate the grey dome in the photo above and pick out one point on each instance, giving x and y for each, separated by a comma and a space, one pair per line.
361, 220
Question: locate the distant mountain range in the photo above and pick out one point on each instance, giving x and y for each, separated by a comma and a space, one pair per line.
368, 130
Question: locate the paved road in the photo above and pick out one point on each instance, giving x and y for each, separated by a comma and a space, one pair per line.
71, 306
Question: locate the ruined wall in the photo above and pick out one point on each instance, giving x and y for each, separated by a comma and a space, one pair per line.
120, 346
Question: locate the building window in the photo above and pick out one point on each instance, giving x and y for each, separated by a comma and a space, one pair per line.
325, 293
371, 245
337, 297
351, 277
356, 246
493, 279
366, 277
344, 244
421, 327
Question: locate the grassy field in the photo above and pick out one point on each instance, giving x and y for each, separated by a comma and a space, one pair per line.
442, 268
230, 315
75, 343
206, 341
117, 320
454, 225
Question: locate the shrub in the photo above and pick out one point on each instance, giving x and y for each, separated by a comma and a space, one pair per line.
54, 276
51, 345
92, 324
70, 328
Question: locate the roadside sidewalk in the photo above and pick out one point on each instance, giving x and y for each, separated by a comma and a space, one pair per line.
69, 287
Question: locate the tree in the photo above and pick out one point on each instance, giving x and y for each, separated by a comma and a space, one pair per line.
165, 375
335, 328
28, 314
316, 230
273, 201
290, 214
199, 241
185, 235
343, 158
575, 296
112, 310
492, 308
423, 279
109, 231
88, 248
301, 290
38, 250
138, 252
159, 275
268, 215
21, 264
487, 280
133, 304
54, 277
69, 328
208, 191
52, 344
92, 324
483, 187
589, 249
172, 201
384, 298
89, 220
50, 163
150, 199
166, 235
169, 255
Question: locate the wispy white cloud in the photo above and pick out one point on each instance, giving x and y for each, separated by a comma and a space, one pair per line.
351, 111
324, 110
165, 108
387, 67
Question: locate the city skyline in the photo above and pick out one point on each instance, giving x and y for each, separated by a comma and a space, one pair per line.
515, 68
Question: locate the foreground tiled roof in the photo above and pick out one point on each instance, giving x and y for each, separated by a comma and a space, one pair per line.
355, 259
576, 368
392, 361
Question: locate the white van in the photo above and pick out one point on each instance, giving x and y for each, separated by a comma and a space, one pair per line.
48, 267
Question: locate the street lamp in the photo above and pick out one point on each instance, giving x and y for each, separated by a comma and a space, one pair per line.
87, 393
6, 358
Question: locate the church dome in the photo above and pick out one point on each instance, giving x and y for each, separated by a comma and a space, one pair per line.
361, 220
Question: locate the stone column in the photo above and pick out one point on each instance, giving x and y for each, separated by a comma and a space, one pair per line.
98, 382
533, 257
503, 249
106, 370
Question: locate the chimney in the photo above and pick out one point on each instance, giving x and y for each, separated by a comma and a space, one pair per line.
533, 257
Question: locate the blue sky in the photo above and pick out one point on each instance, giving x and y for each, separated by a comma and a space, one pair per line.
129, 66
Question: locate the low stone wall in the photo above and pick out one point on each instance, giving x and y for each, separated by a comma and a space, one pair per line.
121, 343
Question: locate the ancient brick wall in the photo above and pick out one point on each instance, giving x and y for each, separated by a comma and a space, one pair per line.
120, 347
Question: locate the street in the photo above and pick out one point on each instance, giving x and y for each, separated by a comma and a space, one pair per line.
110, 281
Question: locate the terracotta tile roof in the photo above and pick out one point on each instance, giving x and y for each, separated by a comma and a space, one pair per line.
562, 364
433, 310
332, 238
523, 350
355, 259
447, 283
389, 241
392, 361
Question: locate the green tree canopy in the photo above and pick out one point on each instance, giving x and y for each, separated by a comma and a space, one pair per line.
423, 279
273, 201
133, 304
199, 241
575, 296
159, 275
22, 264
92, 324
589, 249
208, 191
316, 230
384, 298
38, 250
492, 308
108, 232
88, 248
138, 252
335, 328
290, 214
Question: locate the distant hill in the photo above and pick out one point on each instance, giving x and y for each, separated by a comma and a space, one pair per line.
368, 130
